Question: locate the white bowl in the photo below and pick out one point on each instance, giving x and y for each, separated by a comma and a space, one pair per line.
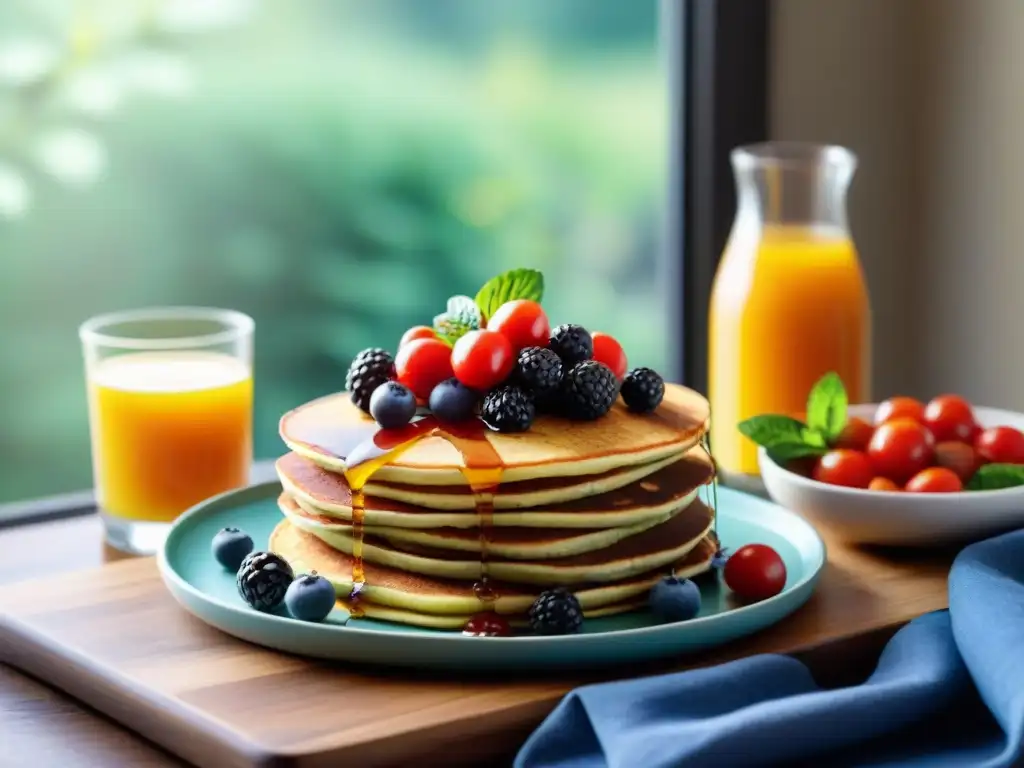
895, 517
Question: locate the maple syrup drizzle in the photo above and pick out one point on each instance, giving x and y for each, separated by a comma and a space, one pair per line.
365, 448
482, 467
705, 444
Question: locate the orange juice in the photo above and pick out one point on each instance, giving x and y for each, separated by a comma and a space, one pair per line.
169, 429
789, 304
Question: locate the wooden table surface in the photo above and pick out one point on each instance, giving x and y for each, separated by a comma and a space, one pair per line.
863, 596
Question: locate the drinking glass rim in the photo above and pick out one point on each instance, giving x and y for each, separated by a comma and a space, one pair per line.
790, 154
237, 324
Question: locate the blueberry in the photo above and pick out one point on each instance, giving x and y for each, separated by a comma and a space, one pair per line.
675, 599
452, 401
310, 597
230, 547
392, 405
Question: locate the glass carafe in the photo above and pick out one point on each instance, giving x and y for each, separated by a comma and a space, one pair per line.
789, 301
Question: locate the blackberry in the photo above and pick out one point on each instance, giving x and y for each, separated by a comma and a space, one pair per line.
589, 391
508, 409
369, 369
572, 343
556, 612
263, 580
539, 371
642, 389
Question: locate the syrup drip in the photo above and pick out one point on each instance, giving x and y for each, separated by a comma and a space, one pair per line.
705, 445
368, 448
365, 448
482, 468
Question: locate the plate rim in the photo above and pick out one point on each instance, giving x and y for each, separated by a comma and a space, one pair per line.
265, 490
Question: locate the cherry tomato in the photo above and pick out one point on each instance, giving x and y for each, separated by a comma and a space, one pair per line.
417, 332
422, 364
961, 458
900, 449
482, 359
883, 484
1001, 445
950, 417
608, 351
844, 467
755, 572
899, 408
855, 435
522, 322
935, 480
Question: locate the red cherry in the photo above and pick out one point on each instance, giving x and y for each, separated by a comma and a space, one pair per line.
487, 625
755, 572
482, 359
522, 322
422, 364
608, 351
417, 332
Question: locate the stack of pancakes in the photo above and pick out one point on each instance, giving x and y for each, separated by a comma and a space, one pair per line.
604, 508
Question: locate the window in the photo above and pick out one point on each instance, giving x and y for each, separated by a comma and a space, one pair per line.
337, 170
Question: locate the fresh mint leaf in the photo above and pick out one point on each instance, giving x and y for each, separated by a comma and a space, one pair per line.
773, 429
783, 453
461, 316
826, 406
991, 477
784, 437
512, 285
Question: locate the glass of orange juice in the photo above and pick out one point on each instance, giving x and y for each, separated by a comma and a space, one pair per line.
170, 414
789, 302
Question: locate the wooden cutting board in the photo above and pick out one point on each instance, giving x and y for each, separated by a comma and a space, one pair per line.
115, 639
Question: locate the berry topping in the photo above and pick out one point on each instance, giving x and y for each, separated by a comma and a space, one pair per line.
262, 580
482, 359
589, 391
452, 402
556, 612
572, 343
487, 624
673, 599
508, 409
608, 351
642, 390
369, 369
417, 332
539, 371
310, 597
422, 364
522, 322
230, 547
392, 405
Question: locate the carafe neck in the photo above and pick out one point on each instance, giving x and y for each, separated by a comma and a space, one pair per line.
793, 184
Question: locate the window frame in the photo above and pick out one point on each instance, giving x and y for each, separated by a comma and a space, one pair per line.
718, 59
717, 65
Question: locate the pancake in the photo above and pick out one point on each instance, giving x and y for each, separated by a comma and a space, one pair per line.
410, 598
329, 491
509, 543
327, 430
650, 497
653, 548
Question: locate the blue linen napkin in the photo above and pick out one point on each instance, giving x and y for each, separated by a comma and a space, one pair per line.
948, 691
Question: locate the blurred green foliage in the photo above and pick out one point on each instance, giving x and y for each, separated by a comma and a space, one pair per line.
337, 171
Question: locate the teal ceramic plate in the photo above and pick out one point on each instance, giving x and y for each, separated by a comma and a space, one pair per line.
208, 591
